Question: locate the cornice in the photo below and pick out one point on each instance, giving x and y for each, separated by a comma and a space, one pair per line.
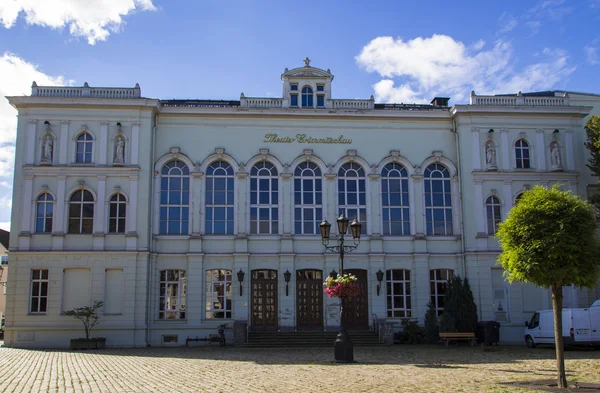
68, 170
20, 102
575, 111
571, 176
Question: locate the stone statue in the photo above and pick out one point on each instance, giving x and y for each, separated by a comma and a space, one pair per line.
119, 151
490, 156
555, 156
47, 150
307, 62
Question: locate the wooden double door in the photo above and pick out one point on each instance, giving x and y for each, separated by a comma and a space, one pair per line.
309, 299
264, 300
356, 310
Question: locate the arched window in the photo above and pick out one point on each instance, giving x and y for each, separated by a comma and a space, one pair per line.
307, 97
492, 208
394, 200
81, 212
522, 154
173, 289
84, 146
438, 200
398, 293
264, 199
174, 199
352, 195
117, 213
218, 294
438, 282
43, 221
219, 199
308, 199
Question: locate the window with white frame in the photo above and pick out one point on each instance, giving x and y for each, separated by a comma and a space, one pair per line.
264, 199
219, 199
4, 260
438, 282
438, 200
38, 303
83, 148
44, 212
522, 154
398, 293
307, 97
174, 199
218, 294
81, 212
173, 288
394, 200
308, 199
117, 212
352, 193
492, 208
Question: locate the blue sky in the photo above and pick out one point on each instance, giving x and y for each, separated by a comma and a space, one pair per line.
399, 51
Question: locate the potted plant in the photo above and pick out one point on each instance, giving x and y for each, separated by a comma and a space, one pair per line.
342, 286
88, 315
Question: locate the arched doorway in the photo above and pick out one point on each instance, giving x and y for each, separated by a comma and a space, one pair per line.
309, 299
264, 300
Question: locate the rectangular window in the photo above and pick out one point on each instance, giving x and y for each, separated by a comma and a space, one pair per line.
320, 101
294, 87
320, 87
173, 288
294, 100
218, 294
398, 293
113, 295
39, 291
76, 288
5, 259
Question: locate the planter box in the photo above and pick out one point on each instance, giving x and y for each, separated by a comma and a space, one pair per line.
92, 343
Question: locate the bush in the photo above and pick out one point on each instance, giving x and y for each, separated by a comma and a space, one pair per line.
460, 311
432, 326
411, 333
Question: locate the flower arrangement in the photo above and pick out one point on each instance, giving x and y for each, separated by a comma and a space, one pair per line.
342, 287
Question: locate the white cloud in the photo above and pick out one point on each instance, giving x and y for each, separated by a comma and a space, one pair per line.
92, 19
534, 25
16, 76
5, 225
426, 67
507, 22
591, 52
551, 9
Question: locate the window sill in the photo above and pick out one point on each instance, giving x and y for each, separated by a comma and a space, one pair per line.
38, 313
397, 237
171, 237
442, 237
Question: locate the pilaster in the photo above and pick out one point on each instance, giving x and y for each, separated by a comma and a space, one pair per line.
476, 148
102, 143
287, 314
540, 150
28, 206
241, 194
375, 222
135, 141
196, 190
286, 210
417, 226
100, 214
156, 204
241, 311
419, 281
505, 149
329, 208
378, 304
59, 218
131, 220
508, 202
332, 305
31, 139
64, 142
569, 150
196, 288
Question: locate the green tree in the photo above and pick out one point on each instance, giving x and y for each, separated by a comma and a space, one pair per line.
432, 327
88, 315
592, 129
549, 239
460, 311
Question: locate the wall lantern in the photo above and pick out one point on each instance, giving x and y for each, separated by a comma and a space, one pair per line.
490, 131
556, 132
379, 275
47, 122
333, 274
287, 275
240, 275
118, 124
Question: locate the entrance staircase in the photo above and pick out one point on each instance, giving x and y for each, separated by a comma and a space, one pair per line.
307, 339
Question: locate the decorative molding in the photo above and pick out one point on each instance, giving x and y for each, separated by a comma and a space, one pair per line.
351, 154
437, 154
175, 151
81, 183
219, 151
117, 189
538, 130
263, 154
34, 121
475, 129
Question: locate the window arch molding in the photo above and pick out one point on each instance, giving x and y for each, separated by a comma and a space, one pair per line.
311, 158
34, 204
82, 131
397, 160
161, 162
209, 160
513, 155
439, 159
358, 160
107, 209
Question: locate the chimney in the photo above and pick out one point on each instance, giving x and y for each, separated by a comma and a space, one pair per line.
440, 101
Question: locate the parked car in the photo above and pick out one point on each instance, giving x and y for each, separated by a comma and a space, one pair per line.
581, 326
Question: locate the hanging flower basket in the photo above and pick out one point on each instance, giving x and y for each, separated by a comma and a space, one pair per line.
342, 287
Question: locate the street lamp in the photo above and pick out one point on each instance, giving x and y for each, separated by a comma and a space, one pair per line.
240, 276
343, 348
287, 276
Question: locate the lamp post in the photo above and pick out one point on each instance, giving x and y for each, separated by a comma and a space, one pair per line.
343, 347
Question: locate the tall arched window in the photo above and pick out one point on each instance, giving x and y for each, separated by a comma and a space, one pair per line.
438, 200
117, 212
264, 199
174, 199
308, 199
43, 220
219, 199
84, 145
307, 97
394, 200
522, 154
492, 208
81, 212
352, 194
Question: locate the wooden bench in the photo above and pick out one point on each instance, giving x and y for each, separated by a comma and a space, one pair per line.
447, 337
212, 338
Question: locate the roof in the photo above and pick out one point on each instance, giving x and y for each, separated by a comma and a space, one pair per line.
4, 237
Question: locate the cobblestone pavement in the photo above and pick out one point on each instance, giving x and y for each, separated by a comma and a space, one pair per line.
211, 369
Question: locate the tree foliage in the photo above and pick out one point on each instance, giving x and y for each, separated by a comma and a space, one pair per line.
460, 311
432, 326
592, 129
88, 315
549, 239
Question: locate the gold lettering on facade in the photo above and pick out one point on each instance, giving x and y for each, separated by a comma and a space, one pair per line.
303, 138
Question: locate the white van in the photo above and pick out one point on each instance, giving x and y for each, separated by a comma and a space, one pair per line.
581, 326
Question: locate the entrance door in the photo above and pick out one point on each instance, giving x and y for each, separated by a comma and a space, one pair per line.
309, 299
264, 299
356, 309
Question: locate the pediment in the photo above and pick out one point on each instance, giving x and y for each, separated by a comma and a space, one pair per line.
307, 72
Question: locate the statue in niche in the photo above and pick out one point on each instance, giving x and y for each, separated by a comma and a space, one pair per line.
490, 156
119, 151
555, 156
47, 150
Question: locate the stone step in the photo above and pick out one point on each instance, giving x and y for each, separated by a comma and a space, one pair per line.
307, 339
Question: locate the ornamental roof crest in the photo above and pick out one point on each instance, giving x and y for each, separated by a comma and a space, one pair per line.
307, 72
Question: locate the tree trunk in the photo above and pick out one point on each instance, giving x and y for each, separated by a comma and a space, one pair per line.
557, 302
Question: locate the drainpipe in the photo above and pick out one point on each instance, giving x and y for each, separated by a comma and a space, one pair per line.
149, 266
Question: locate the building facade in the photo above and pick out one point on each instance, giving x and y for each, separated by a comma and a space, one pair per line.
184, 214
